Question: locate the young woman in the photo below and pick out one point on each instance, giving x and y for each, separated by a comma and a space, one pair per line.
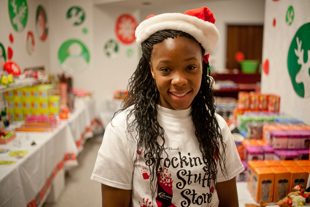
167, 146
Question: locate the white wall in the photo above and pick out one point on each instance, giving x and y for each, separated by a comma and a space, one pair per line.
277, 41
40, 55
225, 12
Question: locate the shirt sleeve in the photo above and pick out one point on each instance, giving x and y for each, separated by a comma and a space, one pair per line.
231, 157
114, 164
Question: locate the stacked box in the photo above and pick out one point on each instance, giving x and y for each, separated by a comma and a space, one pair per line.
299, 176
9, 97
282, 179
18, 109
54, 106
263, 184
40, 100
250, 169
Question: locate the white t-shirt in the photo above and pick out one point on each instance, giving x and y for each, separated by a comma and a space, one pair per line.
182, 182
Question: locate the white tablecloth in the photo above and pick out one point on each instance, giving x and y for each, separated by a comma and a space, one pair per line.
28, 180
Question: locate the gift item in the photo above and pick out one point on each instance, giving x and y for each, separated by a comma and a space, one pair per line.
254, 153
295, 139
299, 176
285, 155
242, 176
278, 139
251, 166
303, 154
268, 152
263, 184
273, 163
282, 180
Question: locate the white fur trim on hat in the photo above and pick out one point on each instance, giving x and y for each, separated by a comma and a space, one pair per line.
203, 31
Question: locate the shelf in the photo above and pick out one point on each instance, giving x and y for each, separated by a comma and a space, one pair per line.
17, 84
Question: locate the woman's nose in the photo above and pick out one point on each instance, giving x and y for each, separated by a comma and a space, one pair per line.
179, 79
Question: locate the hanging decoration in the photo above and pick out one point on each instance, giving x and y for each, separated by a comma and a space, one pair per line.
10, 53
289, 17
18, 12
2, 56
266, 67
73, 56
30, 43
12, 68
11, 38
298, 61
129, 52
41, 23
125, 28
111, 48
76, 15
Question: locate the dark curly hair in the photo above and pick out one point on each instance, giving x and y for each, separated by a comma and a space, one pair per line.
143, 96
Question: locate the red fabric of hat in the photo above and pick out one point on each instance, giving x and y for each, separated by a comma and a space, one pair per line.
205, 14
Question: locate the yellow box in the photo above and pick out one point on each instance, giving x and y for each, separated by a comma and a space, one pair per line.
251, 166
9, 96
44, 91
299, 176
26, 93
18, 104
11, 113
282, 180
263, 184
18, 93
18, 114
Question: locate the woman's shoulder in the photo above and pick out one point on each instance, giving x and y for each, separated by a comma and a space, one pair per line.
121, 117
221, 121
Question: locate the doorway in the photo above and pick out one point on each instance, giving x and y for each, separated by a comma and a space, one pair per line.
247, 39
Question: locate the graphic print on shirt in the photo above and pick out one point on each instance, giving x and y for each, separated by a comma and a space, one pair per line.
146, 203
164, 189
185, 174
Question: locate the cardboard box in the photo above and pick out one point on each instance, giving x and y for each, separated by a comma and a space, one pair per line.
289, 163
285, 155
254, 153
299, 176
263, 184
282, 180
273, 163
303, 163
249, 176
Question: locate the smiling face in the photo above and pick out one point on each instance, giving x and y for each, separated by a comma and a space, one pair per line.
176, 66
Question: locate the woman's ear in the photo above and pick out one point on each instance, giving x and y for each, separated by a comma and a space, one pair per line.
152, 71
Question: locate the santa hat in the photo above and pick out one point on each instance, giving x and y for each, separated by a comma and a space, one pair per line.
197, 22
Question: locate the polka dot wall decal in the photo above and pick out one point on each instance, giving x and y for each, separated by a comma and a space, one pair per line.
266, 67
10, 53
289, 18
274, 22
11, 38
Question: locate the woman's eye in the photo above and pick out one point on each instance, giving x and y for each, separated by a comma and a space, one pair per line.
191, 67
164, 69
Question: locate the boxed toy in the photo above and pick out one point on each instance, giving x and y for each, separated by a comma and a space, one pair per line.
263, 184
282, 179
299, 176
285, 155
303, 163
273, 163
295, 139
242, 176
268, 152
250, 168
278, 139
254, 153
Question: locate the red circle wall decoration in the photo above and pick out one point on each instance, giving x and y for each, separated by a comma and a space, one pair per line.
125, 28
